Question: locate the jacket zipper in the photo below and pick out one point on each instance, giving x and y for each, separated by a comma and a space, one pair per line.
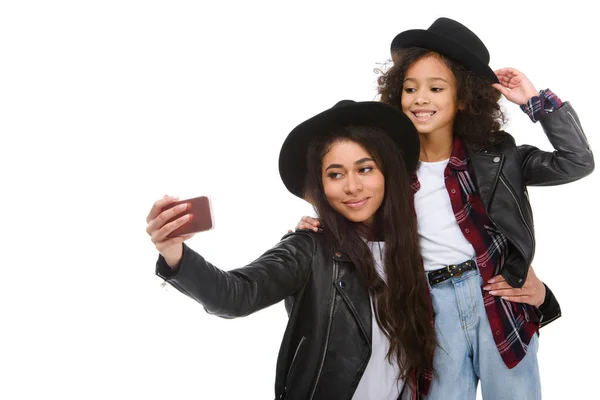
578, 128
528, 204
335, 268
293, 361
520, 211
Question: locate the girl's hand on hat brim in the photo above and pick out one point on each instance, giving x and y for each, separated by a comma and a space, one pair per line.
515, 86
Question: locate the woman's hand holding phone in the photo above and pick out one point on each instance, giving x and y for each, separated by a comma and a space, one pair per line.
171, 222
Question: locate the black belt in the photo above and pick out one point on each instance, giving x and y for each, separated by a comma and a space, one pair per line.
442, 274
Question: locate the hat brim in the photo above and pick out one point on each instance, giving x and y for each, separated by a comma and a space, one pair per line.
292, 157
445, 46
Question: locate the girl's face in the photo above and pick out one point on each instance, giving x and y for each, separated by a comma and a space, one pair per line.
353, 183
429, 96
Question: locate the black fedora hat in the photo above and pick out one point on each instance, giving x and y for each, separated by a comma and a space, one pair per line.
453, 40
292, 157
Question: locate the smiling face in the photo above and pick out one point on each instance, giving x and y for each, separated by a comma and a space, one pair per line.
429, 96
352, 181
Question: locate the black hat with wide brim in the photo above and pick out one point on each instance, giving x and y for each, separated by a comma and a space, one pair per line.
453, 40
391, 120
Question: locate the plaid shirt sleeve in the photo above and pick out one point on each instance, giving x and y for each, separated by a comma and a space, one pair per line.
538, 106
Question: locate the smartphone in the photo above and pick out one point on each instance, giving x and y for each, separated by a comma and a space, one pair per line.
201, 218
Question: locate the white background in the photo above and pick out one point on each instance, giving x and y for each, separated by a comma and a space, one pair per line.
105, 106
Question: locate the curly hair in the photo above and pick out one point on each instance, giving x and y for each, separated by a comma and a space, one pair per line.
480, 119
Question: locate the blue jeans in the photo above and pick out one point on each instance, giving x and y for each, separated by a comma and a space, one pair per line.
467, 352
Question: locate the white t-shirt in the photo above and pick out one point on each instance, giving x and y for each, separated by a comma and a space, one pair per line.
380, 379
442, 242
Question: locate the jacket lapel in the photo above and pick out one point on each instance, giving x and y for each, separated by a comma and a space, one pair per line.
486, 168
354, 294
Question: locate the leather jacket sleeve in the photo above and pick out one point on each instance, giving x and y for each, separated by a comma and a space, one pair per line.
550, 308
277, 274
572, 158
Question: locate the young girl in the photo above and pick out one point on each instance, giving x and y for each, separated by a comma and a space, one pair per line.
359, 313
474, 218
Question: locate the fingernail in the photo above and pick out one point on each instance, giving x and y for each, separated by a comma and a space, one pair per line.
487, 287
491, 281
493, 292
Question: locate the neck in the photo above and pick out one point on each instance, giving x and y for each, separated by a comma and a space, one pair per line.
435, 147
365, 230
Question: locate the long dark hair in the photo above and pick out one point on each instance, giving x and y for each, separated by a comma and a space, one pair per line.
480, 121
402, 304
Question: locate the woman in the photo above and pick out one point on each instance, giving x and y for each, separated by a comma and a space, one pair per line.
359, 312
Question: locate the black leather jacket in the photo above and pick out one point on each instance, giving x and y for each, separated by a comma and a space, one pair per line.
502, 172
327, 342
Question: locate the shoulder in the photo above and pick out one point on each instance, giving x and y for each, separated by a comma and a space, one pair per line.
502, 142
505, 138
303, 243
